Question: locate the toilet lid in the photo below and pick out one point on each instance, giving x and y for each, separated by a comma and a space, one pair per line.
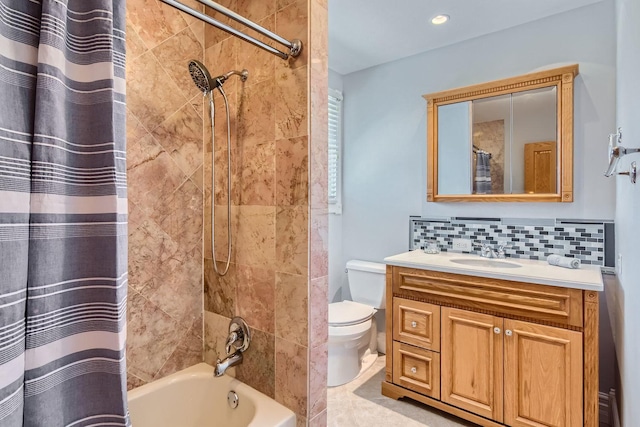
347, 313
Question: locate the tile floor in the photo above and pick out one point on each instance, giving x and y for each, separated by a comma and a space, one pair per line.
360, 404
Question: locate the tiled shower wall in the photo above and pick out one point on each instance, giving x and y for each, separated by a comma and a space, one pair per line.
279, 217
164, 155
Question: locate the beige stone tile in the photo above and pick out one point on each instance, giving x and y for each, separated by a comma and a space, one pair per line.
292, 23
318, 311
256, 175
260, 63
220, 291
292, 171
292, 308
220, 58
256, 114
179, 214
152, 96
255, 236
180, 138
216, 329
301, 421
188, 353
151, 173
178, 292
154, 21
258, 366
197, 327
319, 420
149, 249
256, 297
198, 31
152, 336
255, 10
135, 130
291, 376
319, 134
319, 175
319, 26
292, 245
193, 4
198, 179
319, 243
212, 34
198, 105
134, 382
317, 380
135, 45
282, 3
222, 177
291, 103
135, 217
175, 53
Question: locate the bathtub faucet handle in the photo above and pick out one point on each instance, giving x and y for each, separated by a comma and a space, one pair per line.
239, 335
238, 340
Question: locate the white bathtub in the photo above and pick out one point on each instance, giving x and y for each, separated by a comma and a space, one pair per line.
195, 398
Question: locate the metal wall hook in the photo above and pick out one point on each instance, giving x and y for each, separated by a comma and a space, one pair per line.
617, 151
632, 172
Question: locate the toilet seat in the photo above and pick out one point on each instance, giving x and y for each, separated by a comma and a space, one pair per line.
349, 313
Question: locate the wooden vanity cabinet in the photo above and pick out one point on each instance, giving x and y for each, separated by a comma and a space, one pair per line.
462, 345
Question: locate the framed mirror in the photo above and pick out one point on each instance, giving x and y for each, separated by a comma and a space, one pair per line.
510, 140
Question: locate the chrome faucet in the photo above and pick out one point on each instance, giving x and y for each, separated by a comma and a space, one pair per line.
238, 340
486, 251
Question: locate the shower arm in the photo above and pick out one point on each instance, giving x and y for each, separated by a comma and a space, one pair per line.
295, 46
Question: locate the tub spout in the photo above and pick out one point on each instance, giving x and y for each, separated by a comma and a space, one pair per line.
233, 359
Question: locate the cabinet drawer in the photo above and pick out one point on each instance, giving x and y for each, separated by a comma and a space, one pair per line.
542, 302
416, 323
416, 369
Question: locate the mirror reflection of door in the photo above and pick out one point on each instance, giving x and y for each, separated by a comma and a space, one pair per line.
540, 167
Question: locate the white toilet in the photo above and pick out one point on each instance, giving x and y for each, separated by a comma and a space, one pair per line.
352, 331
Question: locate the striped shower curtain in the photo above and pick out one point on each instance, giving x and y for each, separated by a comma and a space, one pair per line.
63, 237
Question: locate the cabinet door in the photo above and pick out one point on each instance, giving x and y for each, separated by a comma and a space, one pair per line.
543, 375
416, 369
416, 323
471, 362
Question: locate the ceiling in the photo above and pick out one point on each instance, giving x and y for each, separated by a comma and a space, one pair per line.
364, 33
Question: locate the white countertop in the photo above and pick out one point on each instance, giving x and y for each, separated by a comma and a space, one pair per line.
587, 277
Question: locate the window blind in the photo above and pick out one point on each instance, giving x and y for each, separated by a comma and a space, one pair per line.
334, 143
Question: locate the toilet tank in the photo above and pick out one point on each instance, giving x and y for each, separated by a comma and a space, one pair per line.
367, 282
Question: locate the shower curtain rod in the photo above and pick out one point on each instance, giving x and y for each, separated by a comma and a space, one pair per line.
294, 46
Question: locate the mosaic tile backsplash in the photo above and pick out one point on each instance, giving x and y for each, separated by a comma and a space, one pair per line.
585, 240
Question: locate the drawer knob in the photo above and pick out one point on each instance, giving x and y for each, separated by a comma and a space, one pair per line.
414, 370
496, 330
508, 332
414, 324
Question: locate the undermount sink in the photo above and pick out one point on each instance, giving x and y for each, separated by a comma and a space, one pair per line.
483, 262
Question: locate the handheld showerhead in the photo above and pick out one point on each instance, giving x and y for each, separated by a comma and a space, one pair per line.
201, 76
203, 80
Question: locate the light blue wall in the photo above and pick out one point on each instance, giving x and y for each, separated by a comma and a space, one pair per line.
385, 126
627, 300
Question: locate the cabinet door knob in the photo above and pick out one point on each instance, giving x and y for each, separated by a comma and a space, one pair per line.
496, 330
414, 324
414, 370
508, 332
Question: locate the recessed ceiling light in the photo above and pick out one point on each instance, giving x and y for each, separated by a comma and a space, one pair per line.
439, 19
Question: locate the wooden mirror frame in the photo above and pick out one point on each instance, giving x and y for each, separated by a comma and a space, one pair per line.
562, 78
